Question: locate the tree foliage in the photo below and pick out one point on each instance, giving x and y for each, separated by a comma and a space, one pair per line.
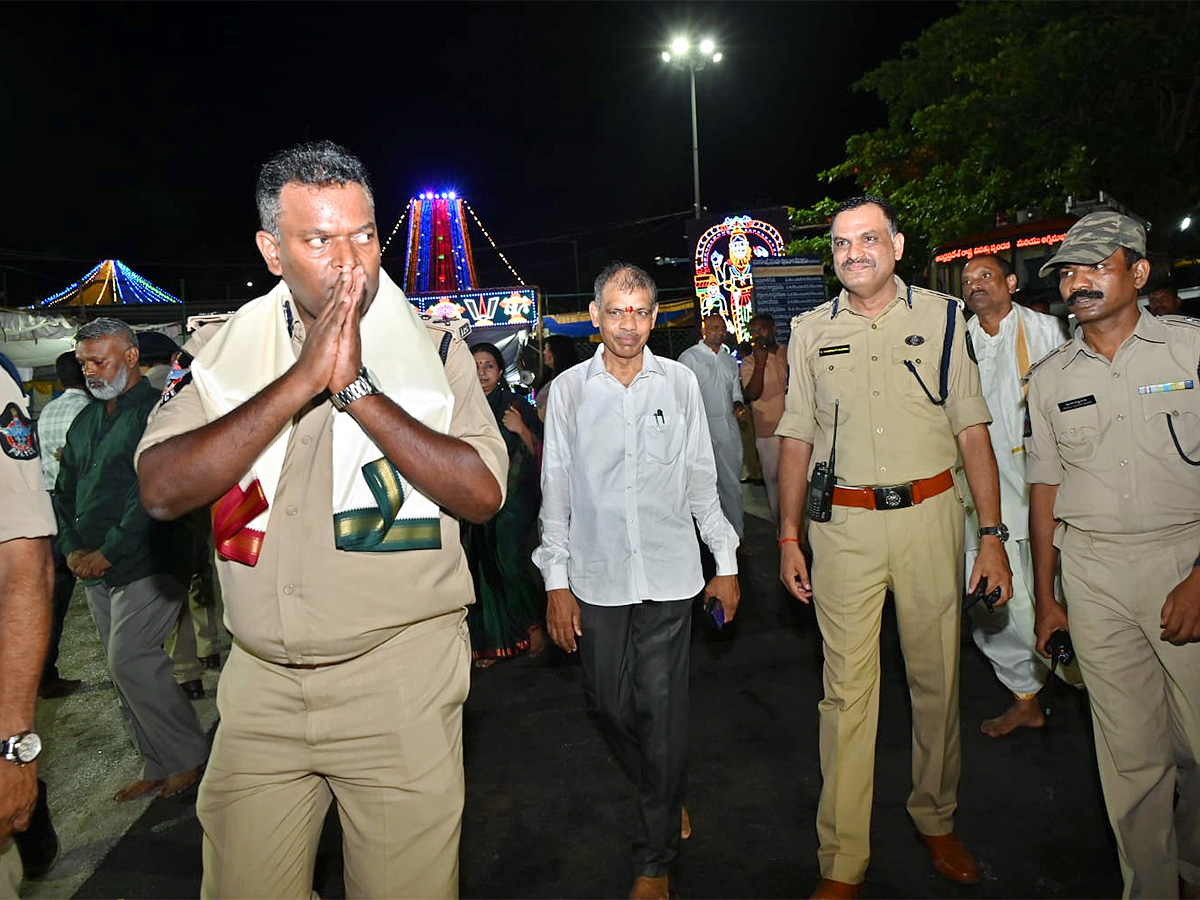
1007, 105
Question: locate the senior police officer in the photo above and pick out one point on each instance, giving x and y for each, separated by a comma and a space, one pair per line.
887, 365
1114, 434
323, 421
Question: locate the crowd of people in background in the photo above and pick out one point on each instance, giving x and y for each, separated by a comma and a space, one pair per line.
905, 451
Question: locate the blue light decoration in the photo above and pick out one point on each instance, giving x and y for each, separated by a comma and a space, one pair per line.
515, 307
110, 283
439, 249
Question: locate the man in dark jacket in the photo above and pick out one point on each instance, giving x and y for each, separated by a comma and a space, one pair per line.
130, 564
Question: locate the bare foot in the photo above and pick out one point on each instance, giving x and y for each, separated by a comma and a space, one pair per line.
537, 641
484, 663
650, 888
1022, 714
135, 789
177, 784
685, 825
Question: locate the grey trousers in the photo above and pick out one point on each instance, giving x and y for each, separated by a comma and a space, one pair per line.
133, 622
635, 674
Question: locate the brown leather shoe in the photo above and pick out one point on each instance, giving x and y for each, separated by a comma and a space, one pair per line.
951, 858
650, 887
835, 890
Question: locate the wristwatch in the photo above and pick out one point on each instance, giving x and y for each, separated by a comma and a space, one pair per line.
22, 748
1000, 531
362, 386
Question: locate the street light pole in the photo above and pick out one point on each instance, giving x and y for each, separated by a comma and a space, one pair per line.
682, 54
695, 141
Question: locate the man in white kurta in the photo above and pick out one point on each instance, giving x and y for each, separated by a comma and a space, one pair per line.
721, 390
1007, 338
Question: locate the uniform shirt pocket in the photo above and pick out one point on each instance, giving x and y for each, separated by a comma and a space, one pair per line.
1168, 411
1077, 432
835, 380
927, 364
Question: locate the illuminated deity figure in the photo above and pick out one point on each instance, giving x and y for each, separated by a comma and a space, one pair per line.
725, 286
514, 306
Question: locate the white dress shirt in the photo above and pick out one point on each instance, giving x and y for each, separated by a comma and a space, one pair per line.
720, 387
1000, 378
624, 472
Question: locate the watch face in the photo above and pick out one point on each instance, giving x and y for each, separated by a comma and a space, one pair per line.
28, 747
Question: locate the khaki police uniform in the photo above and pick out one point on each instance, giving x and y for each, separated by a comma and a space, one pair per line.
889, 433
347, 677
27, 514
1129, 531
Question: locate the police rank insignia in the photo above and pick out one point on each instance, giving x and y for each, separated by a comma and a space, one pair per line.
914, 340
17, 438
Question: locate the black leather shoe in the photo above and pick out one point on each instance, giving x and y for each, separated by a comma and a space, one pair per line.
38, 845
62, 687
194, 689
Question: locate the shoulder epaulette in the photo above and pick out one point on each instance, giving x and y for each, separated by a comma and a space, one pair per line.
930, 294
1187, 321
457, 328
1057, 350
799, 317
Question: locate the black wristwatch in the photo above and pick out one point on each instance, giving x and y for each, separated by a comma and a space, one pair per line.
362, 386
22, 748
1000, 531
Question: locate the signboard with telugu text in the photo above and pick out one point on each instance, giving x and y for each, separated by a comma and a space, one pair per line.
785, 286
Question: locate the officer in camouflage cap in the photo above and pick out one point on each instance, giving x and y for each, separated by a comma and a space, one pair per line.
1112, 435
1096, 237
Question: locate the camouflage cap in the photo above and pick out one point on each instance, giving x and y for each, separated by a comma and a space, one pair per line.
1095, 237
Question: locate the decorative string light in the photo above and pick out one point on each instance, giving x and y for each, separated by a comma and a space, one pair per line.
503, 258
112, 276
399, 222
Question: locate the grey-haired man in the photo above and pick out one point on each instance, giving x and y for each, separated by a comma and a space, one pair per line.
129, 564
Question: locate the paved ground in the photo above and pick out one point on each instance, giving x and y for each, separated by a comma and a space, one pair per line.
548, 813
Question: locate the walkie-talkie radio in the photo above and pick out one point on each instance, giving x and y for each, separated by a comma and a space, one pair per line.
820, 486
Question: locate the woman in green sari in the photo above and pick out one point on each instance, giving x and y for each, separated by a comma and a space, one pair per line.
506, 618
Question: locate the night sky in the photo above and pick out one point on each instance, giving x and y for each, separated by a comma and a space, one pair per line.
137, 130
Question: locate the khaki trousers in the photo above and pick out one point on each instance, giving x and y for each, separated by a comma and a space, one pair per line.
857, 557
10, 870
1145, 698
380, 734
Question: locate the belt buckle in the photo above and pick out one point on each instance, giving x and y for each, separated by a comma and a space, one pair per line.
897, 496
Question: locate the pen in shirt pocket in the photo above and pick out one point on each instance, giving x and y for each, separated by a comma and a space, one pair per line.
659, 419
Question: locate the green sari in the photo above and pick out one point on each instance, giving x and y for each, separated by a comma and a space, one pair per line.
509, 598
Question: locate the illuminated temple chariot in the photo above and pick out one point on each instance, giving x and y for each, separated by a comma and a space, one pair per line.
439, 269
723, 258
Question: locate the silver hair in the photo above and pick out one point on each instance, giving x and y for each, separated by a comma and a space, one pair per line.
319, 163
105, 327
625, 277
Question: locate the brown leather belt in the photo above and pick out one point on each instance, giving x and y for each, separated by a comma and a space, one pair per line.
896, 496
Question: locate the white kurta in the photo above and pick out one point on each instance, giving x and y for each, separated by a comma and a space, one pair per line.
720, 388
1006, 636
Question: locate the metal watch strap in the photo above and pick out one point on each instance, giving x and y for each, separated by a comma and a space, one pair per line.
360, 387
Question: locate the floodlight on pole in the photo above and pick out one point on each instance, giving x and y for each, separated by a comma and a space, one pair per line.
1186, 223
681, 56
